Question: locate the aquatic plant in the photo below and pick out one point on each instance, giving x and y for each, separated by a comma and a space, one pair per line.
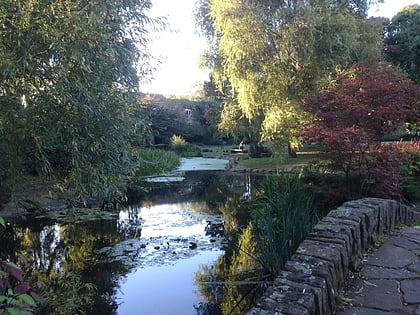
156, 162
285, 213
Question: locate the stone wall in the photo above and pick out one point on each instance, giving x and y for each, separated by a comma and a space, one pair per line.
319, 267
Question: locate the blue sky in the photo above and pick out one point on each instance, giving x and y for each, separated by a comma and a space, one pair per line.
180, 48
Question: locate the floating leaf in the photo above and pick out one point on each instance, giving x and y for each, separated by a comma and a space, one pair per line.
2, 222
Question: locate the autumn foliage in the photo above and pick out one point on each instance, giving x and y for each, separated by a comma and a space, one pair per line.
351, 117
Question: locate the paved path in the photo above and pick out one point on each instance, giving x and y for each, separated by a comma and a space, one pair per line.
389, 279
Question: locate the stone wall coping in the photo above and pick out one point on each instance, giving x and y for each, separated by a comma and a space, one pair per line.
321, 263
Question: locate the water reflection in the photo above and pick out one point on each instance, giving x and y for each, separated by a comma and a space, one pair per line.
177, 244
53, 250
234, 282
154, 290
165, 219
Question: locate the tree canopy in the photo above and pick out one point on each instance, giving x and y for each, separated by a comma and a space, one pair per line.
274, 52
402, 39
69, 74
369, 99
351, 117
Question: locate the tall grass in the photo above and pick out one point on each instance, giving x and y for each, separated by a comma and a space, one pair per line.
282, 219
410, 170
156, 161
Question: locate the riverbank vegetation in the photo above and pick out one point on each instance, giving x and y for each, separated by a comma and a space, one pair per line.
74, 126
155, 162
284, 214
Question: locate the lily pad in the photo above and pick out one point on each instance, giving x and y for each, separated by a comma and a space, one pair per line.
77, 215
159, 251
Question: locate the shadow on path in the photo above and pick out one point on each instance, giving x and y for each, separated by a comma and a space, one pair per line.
388, 281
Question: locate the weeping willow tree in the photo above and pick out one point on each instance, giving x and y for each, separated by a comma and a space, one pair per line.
271, 53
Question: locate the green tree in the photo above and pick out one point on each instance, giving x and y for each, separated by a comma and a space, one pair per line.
274, 52
402, 41
69, 74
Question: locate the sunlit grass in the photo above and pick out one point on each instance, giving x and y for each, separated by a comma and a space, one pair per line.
155, 162
303, 158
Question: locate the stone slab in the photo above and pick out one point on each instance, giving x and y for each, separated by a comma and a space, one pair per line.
413, 237
411, 230
325, 266
259, 311
284, 295
411, 291
364, 311
391, 256
361, 217
375, 272
317, 237
323, 273
354, 229
380, 294
415, 268
404, 242
289, 310
323, 251
295, 292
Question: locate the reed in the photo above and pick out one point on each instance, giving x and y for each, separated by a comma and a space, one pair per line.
285, 213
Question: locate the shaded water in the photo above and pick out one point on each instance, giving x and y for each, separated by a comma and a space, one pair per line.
171, 250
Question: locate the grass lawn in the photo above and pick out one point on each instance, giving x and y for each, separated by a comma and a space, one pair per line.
307, 154
303, 159
218, 149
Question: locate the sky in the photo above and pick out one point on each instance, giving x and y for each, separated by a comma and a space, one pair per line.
179, 48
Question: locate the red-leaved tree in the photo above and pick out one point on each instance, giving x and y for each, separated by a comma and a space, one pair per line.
351, 117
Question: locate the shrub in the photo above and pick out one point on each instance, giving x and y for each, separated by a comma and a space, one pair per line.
177, 142
410, 170
16, 294
329, 190
257, 150
183, 148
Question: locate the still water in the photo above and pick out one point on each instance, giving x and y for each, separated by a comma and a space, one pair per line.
173, 249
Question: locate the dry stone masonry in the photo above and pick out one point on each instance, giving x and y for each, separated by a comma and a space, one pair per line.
321, 263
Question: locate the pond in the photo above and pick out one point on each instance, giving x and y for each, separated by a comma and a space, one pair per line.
173, 249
